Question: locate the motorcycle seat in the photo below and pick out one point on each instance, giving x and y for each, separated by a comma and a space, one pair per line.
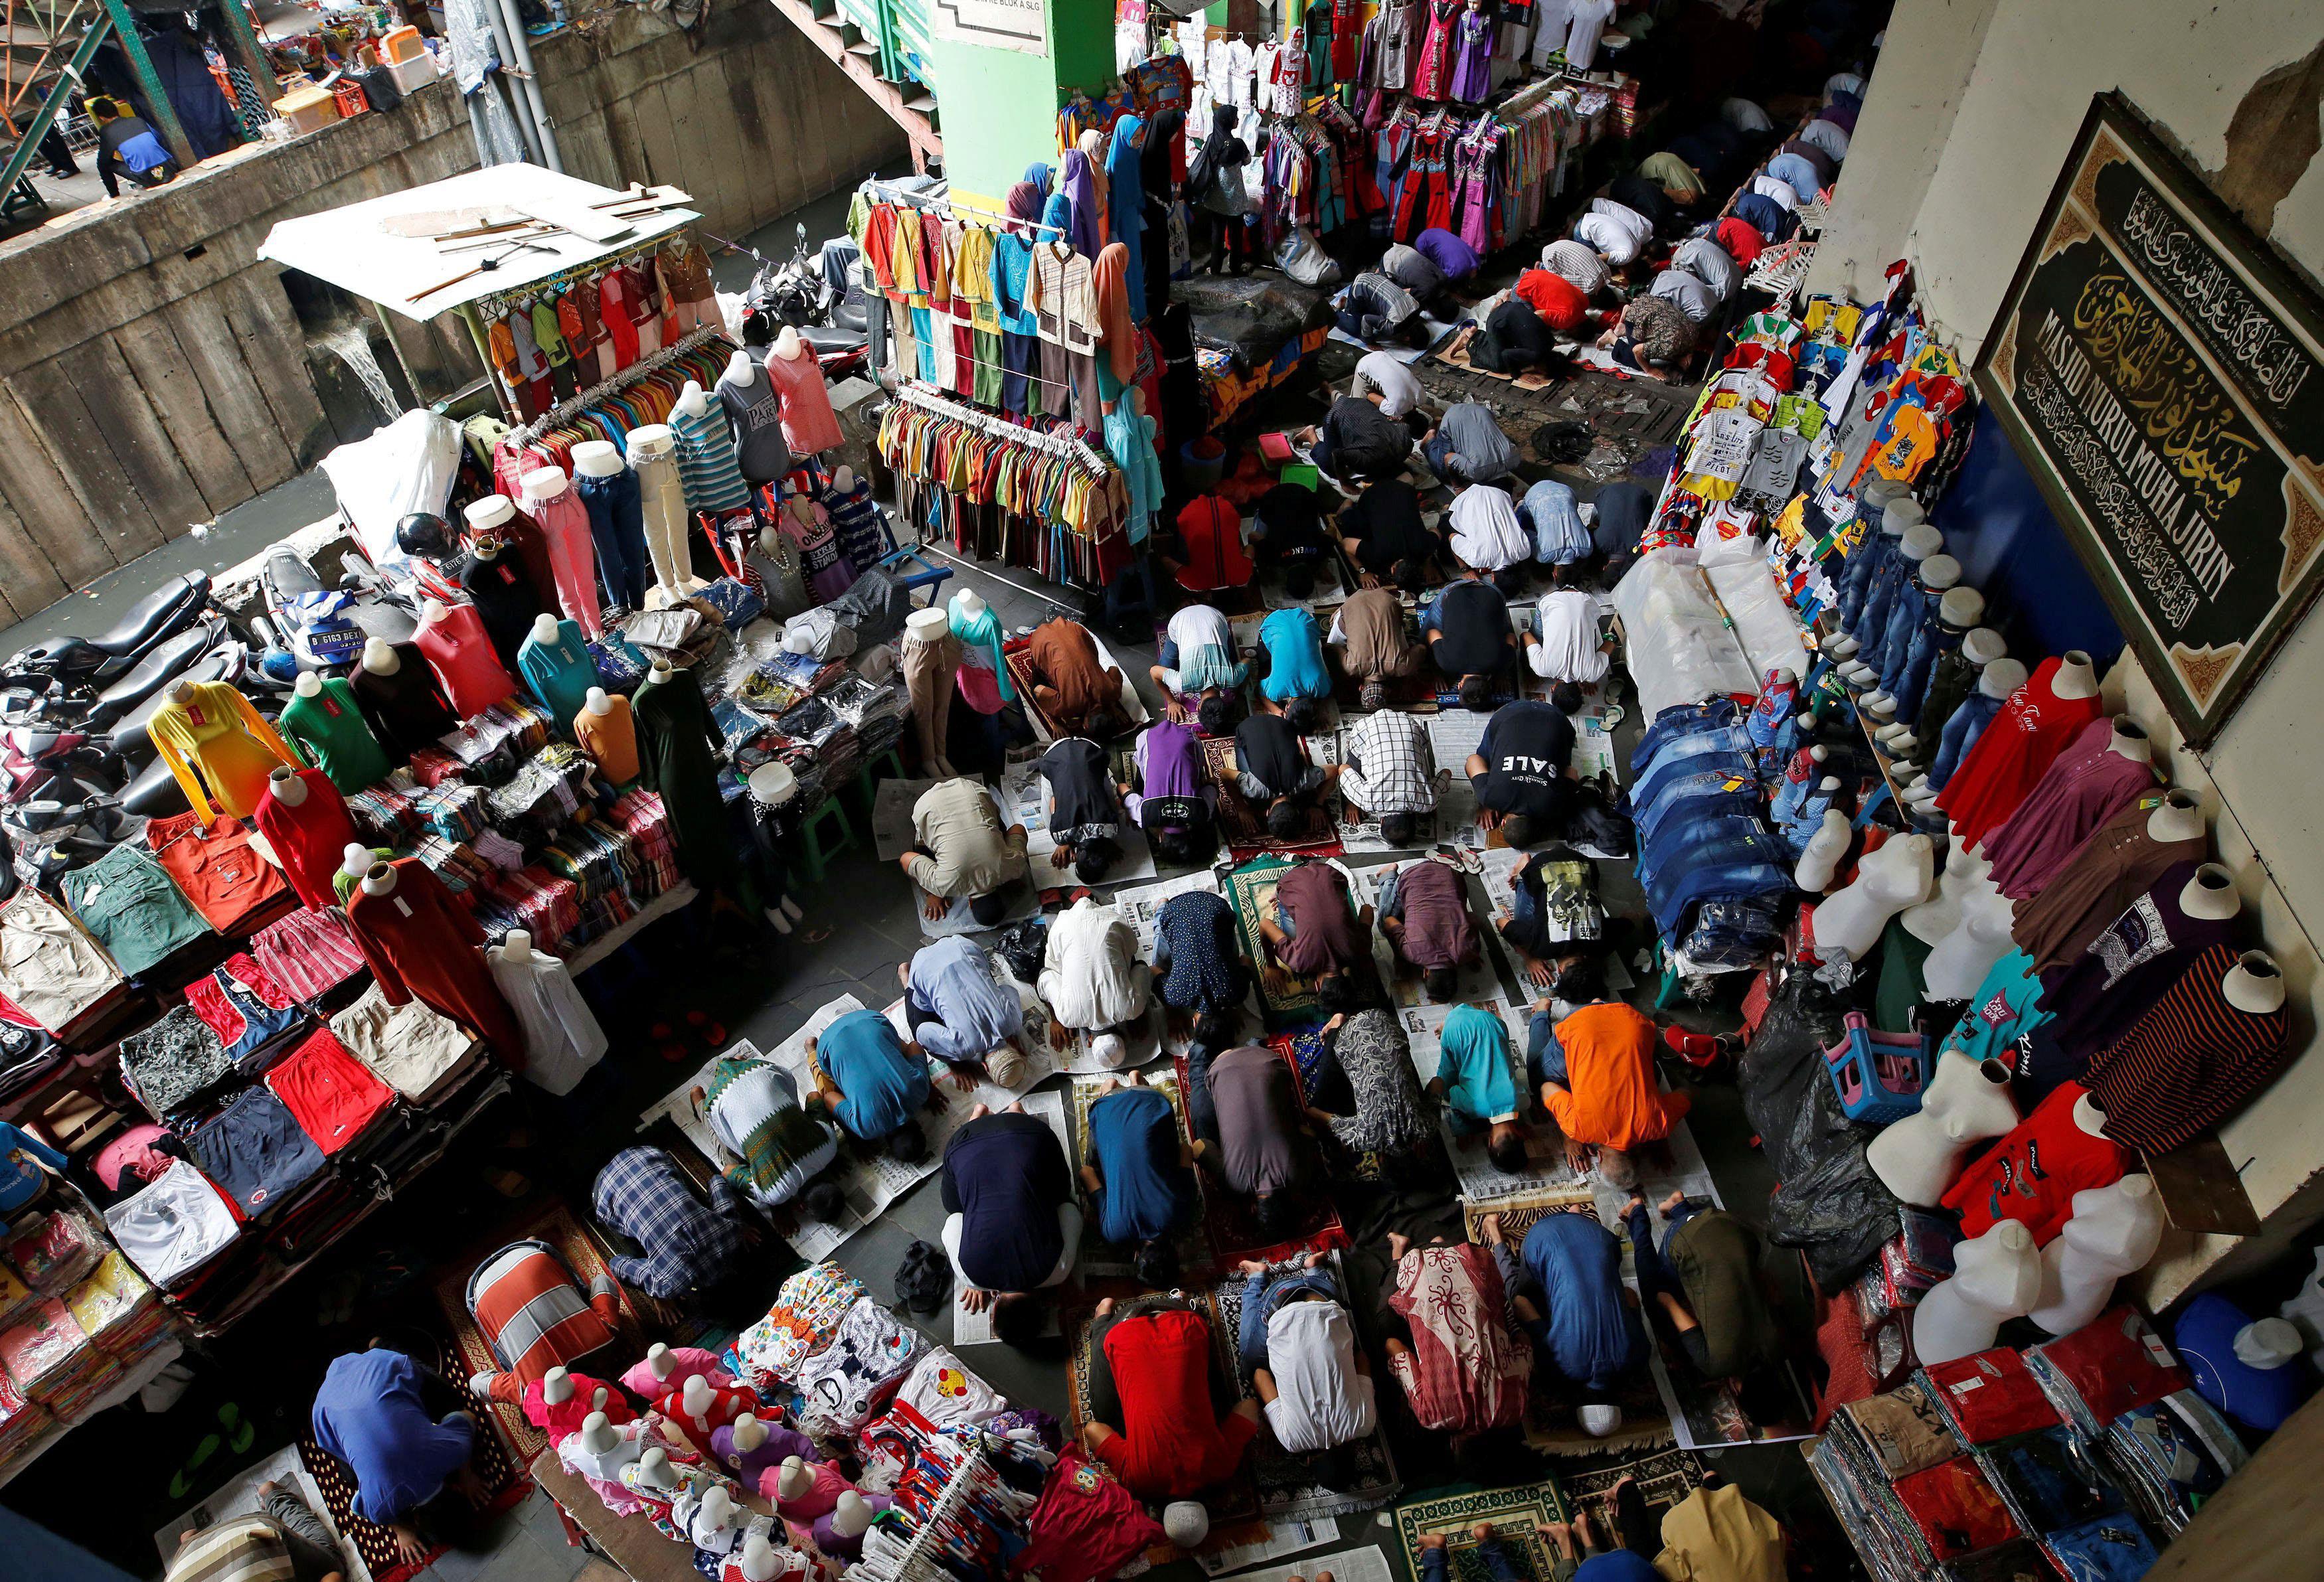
169, 656
153, 614
826, 338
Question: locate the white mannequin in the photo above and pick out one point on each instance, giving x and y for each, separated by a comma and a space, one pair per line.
2114, 1230
789, 347
767, 541
659, 1362
662, 670
793, 1480
696, 1399
308, 684
1959, 961
1967, 1101
1995, 1277
692, 401
1887, 881
2254, 985
1878, 710
2210, 894
378, 880
750, 1433
651, 441
739, 370
556, 1387
379, 656
772, 784
2002, 677
654, 1470
843, 478
544, 629
432, 610
927, 626
2267, 1344
598, 703
851, 1516
2076, 676
491, 514
597, 458
598, 1435
181, 692
2130, 740
516, 945
717, 1511
1902, 743
759, 1559
2178, 818
289, 789
354, 858
971, 604
1941, 913
1825, 848
542, 483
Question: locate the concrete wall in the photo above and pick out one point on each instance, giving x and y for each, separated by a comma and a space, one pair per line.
752, 119
1963, 134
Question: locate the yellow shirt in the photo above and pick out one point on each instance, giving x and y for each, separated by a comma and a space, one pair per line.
220, 749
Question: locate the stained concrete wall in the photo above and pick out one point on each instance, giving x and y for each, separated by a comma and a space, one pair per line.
1964, 131
153, 374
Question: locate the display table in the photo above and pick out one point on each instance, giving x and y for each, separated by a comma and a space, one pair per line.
631, 1542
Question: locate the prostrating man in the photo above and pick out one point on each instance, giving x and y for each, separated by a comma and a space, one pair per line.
1357, 439
1596, 1069
1295, 680
1485, 533
1394, 1118
407, 1435
773, 1148
1568, 648
1156, 1373
1314, 930
1523, 771
1516, 340
1198, 659
872, 1082
1084, 807
1469, 637
1384, 533
284, 1541
1013, 1229
1444, 1320
1198, 955
964, 849
1300, 1342
1467, 446
1273, 771
1476, 1078
1092, 979
1574, 1305
1288, 535
1244, 1107
688, 1249
1390, 773
1400, 393
961, 1013
1705, 1280
1139, 1175
1073, 684
1370, 632
1424, 910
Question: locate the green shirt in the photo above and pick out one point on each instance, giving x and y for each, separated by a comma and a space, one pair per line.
330, 729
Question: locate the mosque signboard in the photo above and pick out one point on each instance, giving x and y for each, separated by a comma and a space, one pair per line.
1022, 25
2162, 374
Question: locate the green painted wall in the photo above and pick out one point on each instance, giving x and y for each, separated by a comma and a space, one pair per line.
999, 108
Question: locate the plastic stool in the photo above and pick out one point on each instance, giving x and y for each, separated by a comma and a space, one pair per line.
888, 766
812, 834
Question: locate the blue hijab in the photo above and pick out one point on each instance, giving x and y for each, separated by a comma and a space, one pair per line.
1124, 168
1057, 218
1039, 175
1082, 192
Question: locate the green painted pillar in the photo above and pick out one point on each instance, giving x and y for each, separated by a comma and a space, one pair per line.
999, 102
164, 118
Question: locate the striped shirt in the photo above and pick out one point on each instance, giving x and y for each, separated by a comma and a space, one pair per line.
2187, 1064
245, 1549
526, 1302
706, 468
754, 1110
642, 1193
1391, 768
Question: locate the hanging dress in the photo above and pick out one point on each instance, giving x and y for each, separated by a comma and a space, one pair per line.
1432, 75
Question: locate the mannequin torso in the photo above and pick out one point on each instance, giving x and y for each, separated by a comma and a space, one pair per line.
1996, 1276
1968, 1100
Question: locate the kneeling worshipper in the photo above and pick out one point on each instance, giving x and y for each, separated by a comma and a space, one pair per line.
1549, 512
1485, 534
1514, 339
284, 1541
1577, 264
1705, 1280
1596, 1068
1013, 1229
1477, 1081
1155, 1371
1467, 446
961, 1012
1175, 803
1395, 1119
1424, 910
1586, 1322
775, 1148
1390, 773
1522, 772
1559, 303
1401, 394
1383, 532
1295, 679
1286, 535
1198, 955
1567, 647
1300, 1342
1274, 772
1652, 337
1084, 807
1313, 930
1357, 439
1469, 637
1375, 309
1073, 684
1197, 659
1445, 1323
1244, 1107
688, 1249
1139, 1175
1369, 630
1092, 979
407, 1435
872, 1082
964, 849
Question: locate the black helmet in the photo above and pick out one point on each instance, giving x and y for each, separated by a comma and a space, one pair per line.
425, 536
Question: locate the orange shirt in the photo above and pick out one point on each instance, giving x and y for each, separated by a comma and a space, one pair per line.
1612, 1096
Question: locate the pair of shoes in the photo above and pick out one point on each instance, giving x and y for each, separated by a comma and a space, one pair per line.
1700, 1050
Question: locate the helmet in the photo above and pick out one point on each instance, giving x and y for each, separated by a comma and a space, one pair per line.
425, 535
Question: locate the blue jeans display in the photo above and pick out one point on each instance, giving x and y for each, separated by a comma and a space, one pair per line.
1872, 620
1263, 1293
1799, 821
1686, 842
1676, 812
1969, 722
1727, 747
1914, 608
1731, 935
1931, 642
617, 527
1684, 721
1860, 570
1733, 868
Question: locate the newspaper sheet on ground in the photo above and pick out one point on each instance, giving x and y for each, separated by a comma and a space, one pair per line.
1025, 800
976, 1329
1139, 904
1369, 1564
1283, 1537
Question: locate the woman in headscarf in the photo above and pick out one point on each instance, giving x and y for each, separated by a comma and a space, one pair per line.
1109, 289
1092, 147
1125, 174
1085, 205
1159, 159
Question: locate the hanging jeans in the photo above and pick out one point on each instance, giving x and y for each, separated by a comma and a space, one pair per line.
928, 675
619, 532
662, 503
1686, 720
1857, 571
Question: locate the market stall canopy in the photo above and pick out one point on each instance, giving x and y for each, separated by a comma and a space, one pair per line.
371, 248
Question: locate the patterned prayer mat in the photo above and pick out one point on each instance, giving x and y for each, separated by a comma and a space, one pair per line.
503, 1485
1231, 1502
1512, 1512
1234, 1236
1289, 1486
640, 1316
1520, 1212
1664, 1478
1248, 889
1244, 827
1102, 1259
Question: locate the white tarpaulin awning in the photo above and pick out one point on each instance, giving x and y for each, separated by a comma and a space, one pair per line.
352, 248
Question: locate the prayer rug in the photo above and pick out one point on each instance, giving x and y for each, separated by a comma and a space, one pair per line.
1665, 1478
1234, 1236
1018, 654
1288, 1488
1102, 1259
1455, 354
1249, 888
1521, 1210
640, 1316
504, 1487
1512, 1512
1244, 827
1232, 1502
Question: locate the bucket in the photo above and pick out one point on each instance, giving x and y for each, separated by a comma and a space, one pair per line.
1203, 462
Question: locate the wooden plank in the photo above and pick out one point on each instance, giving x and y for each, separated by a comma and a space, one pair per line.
2201, 1190
28, 583
60, 551
124, 525
151, 348
272, 344
146, 451
2265, 1516
206, 339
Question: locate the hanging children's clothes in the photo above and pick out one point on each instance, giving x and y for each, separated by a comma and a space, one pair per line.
1432, 73
218, 748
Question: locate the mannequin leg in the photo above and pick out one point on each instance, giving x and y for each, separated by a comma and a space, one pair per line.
664, 505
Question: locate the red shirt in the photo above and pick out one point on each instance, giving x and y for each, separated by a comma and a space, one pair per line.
1558, 300
1741, 240
215, 865
458, 652
1171, 1443
311, 839
1215, 557
2032, 1173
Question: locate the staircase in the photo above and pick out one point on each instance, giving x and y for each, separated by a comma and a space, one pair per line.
45, 45
876, 42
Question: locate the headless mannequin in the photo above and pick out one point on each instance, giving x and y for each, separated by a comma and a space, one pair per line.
1975, 646
1995, 1277
840, 1534
2254, 985
1887, 881
600, 1449
2130, 740
656, 1474
285, 784
1936, 575
516, 945
759, 1559
2179, 817
1941, 913
1967, 1101
712, 1523
1959, 961
2077, 677
308, 684
653, 454
556, 1384
659, 1361
379, 656
564, 524
544, 629
931, 656
597, 458
789, 347
802, 1493
1998, 679
2115, 1231
1957, 613
692, 401
1820, 861
379, 879
2210, 894
355, 860
772, 786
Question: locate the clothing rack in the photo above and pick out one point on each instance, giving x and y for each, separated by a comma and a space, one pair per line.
944, 203
565, 408
548, 285
1072, 448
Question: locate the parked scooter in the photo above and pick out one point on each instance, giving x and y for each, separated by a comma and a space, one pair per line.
828, 313
97, 662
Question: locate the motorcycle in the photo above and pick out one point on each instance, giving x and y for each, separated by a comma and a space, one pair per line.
97, 662
819, 297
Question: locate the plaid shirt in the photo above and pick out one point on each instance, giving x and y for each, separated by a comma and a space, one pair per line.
643, 1194
1391, 768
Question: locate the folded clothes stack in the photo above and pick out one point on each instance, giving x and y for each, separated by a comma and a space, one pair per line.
56, 1250
51, 1361
118, 1310
415, 1049
22, 1421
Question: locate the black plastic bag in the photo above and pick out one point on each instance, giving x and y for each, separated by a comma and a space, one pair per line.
1021, 945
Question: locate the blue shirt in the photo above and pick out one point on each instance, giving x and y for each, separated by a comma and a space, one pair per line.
1593, 1336
1478, 1080
1797, 174
1294, 654
1455, 258
1134, 1133
881, 1087
954, 978
20, 1177
368, 1414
